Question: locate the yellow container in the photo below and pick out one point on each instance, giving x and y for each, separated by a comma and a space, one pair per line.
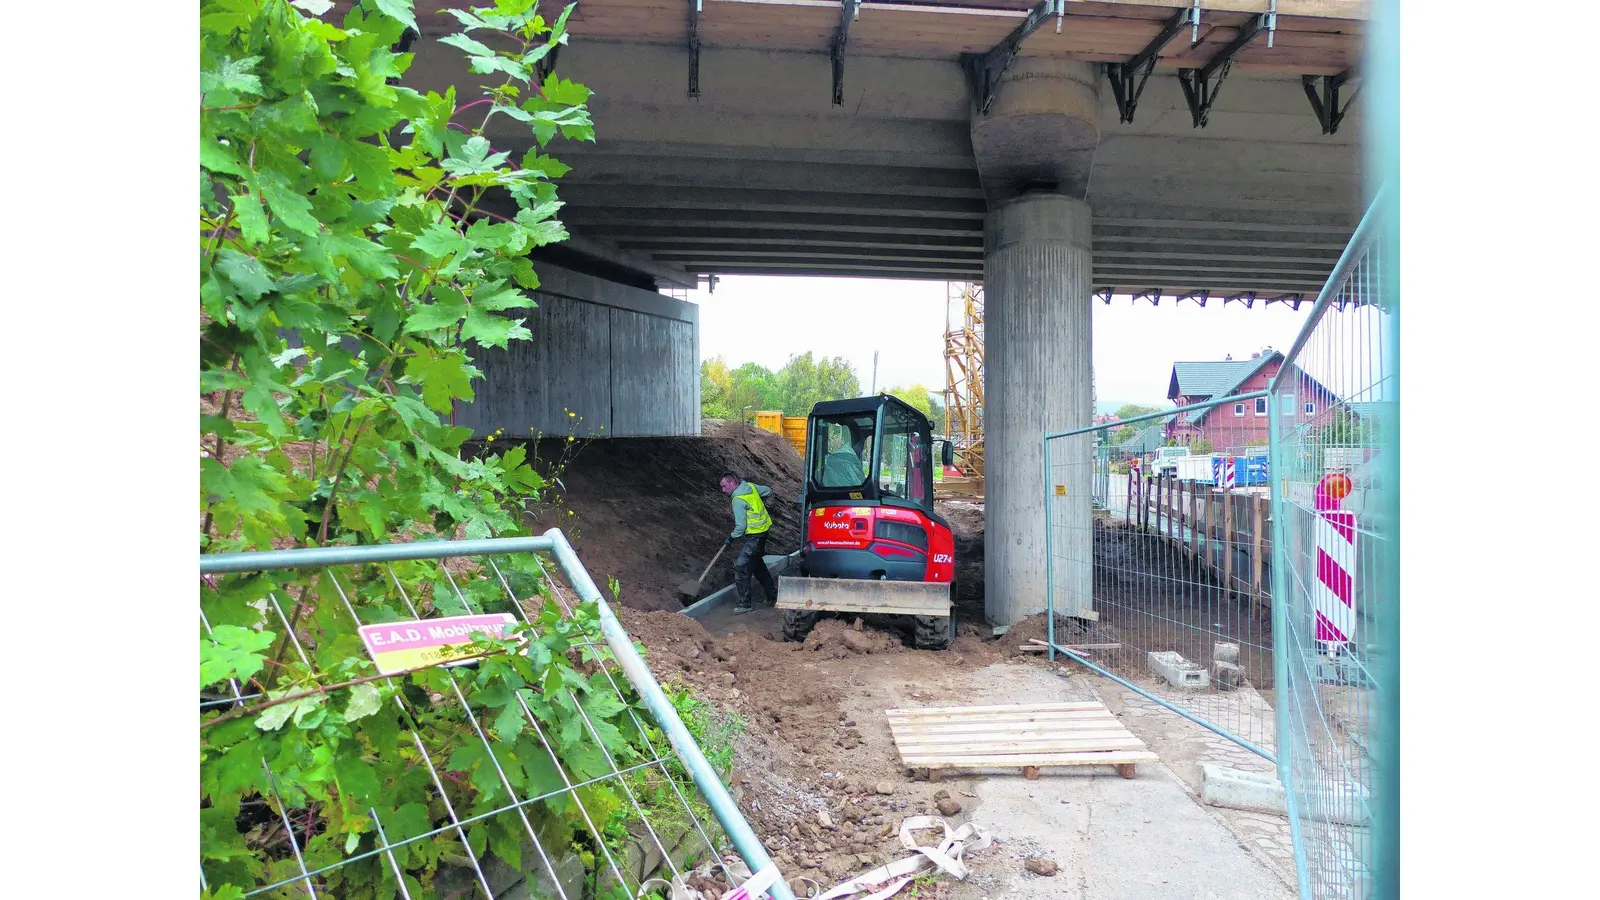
770, 420
794, 428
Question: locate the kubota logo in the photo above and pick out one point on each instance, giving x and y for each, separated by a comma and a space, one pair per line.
837, 526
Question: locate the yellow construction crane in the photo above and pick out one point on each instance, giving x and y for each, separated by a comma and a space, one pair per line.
963, 368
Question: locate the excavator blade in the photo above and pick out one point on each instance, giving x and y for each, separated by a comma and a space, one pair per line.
850, 595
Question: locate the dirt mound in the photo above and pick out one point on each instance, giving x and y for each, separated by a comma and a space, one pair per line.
840, 639
966, 523
649, 512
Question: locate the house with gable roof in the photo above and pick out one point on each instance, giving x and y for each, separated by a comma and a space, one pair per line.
1232, 427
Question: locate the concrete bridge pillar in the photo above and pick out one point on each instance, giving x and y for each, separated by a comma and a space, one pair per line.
1034, 151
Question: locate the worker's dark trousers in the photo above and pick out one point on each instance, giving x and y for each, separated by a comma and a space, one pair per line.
751, 562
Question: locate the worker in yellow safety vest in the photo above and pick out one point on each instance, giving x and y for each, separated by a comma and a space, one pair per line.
751, 521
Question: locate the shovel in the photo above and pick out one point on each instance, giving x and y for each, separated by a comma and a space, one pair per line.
690, 590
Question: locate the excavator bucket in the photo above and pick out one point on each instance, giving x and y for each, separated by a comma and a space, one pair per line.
863, 596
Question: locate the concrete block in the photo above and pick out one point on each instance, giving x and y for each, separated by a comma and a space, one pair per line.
1235, 789
1225, 652
1344, 804
1177, 671
1227, 675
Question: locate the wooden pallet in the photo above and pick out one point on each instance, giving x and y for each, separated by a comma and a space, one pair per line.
1027, 737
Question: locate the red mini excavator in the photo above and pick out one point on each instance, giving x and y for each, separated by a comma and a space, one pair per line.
873, 543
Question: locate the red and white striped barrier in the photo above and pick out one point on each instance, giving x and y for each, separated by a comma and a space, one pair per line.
1333, 596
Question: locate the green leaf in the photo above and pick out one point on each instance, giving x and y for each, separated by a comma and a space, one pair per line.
364, 701
372, 166
259, 401
291, 207
560, 90
408, 821
446, 310
497, 297
443, 379
252, 218
491, 330
247, 275
273, 718
399, 10
440, 240
509, 724
356, 777
474, 158
233, 652
314, 7
462, 42
310, 711
236, 75
603, 705
522, 272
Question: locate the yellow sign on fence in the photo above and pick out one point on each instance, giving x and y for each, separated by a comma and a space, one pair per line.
1061, 490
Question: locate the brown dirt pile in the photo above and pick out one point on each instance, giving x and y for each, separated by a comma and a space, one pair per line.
649, 511
825, 792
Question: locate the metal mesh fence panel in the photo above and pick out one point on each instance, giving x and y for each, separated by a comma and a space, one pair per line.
338, 768
1165, 584
1335, 467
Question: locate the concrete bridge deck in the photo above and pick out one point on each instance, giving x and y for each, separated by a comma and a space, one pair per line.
762, 173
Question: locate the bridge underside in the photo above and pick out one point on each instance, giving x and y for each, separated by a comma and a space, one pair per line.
972, 140
762, 173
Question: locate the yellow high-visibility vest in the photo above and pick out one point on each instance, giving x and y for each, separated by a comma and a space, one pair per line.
756, 521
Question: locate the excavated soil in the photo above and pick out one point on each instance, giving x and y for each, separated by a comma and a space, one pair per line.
825, 792
650, 513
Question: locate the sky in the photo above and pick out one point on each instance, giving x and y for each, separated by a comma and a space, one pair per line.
768, 319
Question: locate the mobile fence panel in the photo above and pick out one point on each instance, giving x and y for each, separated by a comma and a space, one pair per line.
1335, 463
353, 746
1159, 543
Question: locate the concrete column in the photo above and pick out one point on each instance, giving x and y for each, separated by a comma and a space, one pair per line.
1037, 295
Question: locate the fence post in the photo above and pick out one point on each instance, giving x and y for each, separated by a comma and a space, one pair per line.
1194, 522
1228, 538
1178, 512
1144, 503
1211, 527
1255, 555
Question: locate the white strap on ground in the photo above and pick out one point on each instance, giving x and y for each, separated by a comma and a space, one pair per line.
886, 881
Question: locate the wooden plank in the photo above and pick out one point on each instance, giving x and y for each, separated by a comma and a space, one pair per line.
1076, 733
948, 733
1028, 748
1108, 646
1066, 706
1109, 731
980, 718
1085, 758
1053, 722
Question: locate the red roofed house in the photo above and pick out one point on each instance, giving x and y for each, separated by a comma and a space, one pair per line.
1234, 426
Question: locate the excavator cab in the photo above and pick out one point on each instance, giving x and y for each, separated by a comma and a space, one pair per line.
873, 544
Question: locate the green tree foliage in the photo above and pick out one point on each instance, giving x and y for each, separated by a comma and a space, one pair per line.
794, 389
925, 401
1346, 429
804, 381
716, 387
358, 241
1128, 411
